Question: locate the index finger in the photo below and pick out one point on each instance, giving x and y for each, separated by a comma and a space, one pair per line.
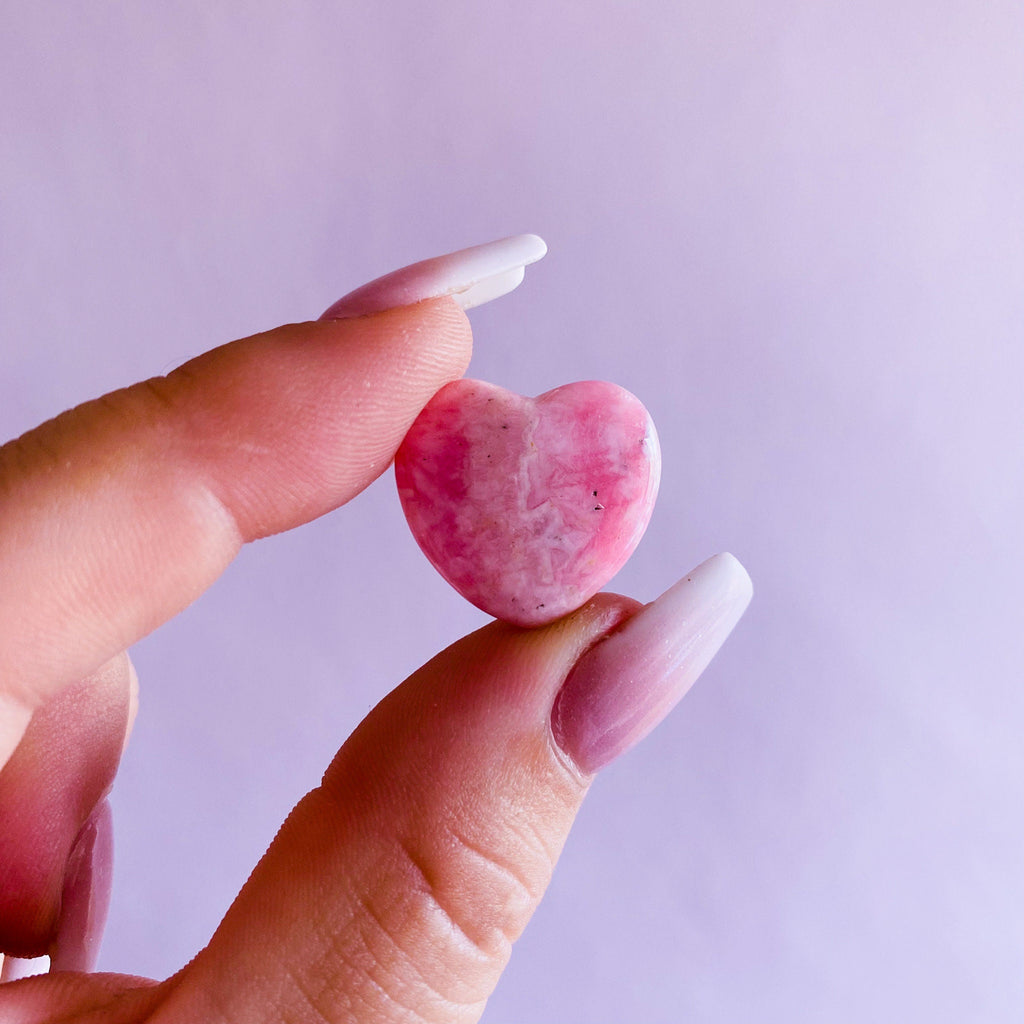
117, 514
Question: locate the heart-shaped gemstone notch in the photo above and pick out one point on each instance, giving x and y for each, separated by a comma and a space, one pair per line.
528, 506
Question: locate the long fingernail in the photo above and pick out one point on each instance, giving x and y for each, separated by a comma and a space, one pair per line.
86, 895
631, 679
471, 276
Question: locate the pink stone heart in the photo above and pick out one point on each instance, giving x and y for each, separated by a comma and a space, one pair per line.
528, 506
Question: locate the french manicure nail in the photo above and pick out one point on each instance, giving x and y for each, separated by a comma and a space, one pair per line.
85, 898
631, 679
471, 276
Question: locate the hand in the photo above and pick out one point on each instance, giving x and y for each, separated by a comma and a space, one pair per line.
394, 889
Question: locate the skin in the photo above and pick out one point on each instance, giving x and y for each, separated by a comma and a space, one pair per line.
395, 889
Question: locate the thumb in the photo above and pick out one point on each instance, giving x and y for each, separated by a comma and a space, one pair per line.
395, 889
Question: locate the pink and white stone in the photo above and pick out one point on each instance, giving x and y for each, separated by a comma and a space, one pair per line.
528, 506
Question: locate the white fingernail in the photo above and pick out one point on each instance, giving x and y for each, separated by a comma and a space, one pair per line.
85, 898
628, 682
471, 276
15, 968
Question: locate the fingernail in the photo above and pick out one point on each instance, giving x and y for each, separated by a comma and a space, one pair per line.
85, 898
14, 968
631, 679
471, 276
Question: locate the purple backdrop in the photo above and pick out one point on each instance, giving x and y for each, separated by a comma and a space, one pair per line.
795, 231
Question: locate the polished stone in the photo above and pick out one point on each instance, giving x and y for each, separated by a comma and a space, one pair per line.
528, 506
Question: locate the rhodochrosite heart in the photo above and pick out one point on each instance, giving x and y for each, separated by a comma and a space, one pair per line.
528, 506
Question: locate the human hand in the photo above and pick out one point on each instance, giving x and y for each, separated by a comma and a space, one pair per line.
395, 888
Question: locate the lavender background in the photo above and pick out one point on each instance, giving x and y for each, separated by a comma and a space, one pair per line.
795, 230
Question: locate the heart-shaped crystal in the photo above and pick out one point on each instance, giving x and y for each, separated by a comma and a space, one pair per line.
528, 506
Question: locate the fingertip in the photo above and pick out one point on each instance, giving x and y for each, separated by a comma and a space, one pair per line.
449, 803
315, 410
